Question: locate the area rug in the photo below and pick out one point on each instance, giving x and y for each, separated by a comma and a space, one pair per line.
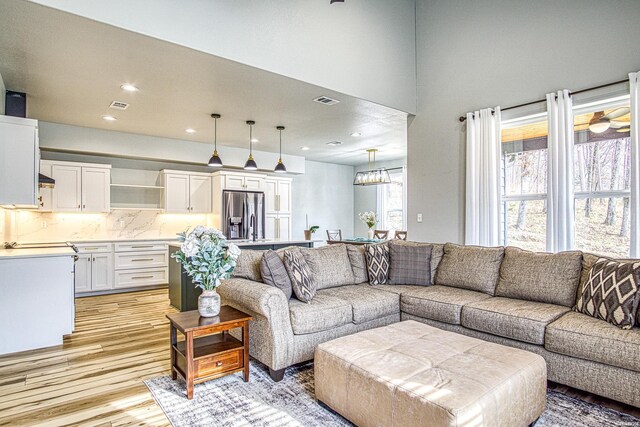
230, 402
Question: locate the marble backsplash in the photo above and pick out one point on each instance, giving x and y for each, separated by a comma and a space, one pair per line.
32, 227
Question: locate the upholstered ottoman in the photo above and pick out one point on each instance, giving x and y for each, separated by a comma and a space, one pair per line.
412, 374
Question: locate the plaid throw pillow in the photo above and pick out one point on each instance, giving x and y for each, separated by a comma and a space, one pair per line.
303, 283
611, 292
409, 263
377, 263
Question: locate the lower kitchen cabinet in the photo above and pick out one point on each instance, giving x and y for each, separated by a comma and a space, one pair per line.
94, 268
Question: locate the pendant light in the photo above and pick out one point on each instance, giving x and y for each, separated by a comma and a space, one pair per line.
372, 176
251, 164
280, 166
215, 160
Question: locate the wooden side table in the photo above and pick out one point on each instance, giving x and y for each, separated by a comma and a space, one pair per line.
208, 351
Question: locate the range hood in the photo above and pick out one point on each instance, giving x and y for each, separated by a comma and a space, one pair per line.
45, 182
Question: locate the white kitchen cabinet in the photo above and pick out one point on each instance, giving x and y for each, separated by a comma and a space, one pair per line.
19, 157
278, 208
186, 192
94, 268
278, 227
233, 182
270, 226
253, 183
46, 194
239, 181
80, 187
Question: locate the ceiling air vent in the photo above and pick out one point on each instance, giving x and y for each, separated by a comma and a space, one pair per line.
119, 105
334, 143
326, 100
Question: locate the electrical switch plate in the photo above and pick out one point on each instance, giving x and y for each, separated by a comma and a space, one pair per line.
419, 217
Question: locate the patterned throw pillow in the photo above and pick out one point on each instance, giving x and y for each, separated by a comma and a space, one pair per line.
409, 263
611, 293
377, 263
274, 273
302, 281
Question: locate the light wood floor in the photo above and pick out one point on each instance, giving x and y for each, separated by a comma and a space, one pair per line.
95, 377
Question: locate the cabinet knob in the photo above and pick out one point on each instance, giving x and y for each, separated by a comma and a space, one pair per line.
218, 364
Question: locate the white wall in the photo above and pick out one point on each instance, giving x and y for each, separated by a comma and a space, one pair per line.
325, 193
365, 198
474, 54
333, 46
3, 94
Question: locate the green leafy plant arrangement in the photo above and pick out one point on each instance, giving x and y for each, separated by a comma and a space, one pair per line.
206, 256
314, 228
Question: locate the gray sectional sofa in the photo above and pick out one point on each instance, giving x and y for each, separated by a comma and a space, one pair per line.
504, 295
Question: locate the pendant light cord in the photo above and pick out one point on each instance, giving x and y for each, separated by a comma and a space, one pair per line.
280, 143
250, 140
215, 134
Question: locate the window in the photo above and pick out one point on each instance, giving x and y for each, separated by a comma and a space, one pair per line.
602, 177
524, 163
391, 201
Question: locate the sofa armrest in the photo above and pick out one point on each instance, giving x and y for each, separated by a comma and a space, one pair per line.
271, 336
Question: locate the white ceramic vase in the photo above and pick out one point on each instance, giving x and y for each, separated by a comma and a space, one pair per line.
370, 233
209, 303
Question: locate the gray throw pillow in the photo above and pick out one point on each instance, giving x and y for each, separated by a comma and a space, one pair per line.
274, 272
377, 263
302, 281
358, 263
330, 265
409, 263
611, 293
475, 268
248, 265
540, 276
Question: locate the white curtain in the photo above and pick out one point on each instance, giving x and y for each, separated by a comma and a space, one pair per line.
482, 213
560, 195
634, 201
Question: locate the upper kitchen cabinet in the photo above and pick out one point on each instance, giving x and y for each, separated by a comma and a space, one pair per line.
79, 187
278, 195
19, 157
238, 181
186, 192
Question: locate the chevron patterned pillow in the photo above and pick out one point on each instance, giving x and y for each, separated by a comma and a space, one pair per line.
302, 281
377, 263
611, 292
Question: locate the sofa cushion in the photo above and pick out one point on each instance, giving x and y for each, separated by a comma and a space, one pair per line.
397, 289
541, 277
611, 293
511, 318
409, 263
322, 313
302, 280
441, 303
330, 265
274, 273
582, 336
358, 263
437, 251
474, 268
248, 265
377, 263
368, 303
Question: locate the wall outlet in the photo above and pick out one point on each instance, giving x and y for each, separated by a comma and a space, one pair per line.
121, 223
44, 224
419, 217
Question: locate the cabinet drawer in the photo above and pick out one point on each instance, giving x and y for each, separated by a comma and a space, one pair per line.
141, 277
141, 246
219, 363
86, 248
127, 260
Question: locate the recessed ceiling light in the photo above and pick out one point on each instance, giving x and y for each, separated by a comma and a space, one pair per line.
333, 143
356, 134
109, 118
305, 148
129, 87
255, 140
189, 130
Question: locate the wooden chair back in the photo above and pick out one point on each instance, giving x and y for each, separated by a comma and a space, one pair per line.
401, 235
380, 234
334, 234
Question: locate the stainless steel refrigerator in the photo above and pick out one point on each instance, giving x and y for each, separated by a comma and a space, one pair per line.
243, 215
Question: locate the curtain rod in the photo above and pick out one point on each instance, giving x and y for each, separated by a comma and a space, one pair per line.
463, 118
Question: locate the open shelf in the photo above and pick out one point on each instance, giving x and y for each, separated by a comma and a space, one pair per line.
211, 344
150, 187
134, 208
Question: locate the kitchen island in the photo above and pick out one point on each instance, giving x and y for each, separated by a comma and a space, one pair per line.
37, 304
183, 294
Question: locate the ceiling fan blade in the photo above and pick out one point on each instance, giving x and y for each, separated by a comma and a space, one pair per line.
618, 112
618, 124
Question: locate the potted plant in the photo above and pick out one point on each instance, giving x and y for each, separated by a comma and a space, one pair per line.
370, 219
310, 231
207, 258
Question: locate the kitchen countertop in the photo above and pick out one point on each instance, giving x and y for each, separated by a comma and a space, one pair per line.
169, 239
35, 253
267, 242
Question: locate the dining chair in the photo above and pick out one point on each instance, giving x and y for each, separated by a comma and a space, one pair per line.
401, 235
334, 234
380, 234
